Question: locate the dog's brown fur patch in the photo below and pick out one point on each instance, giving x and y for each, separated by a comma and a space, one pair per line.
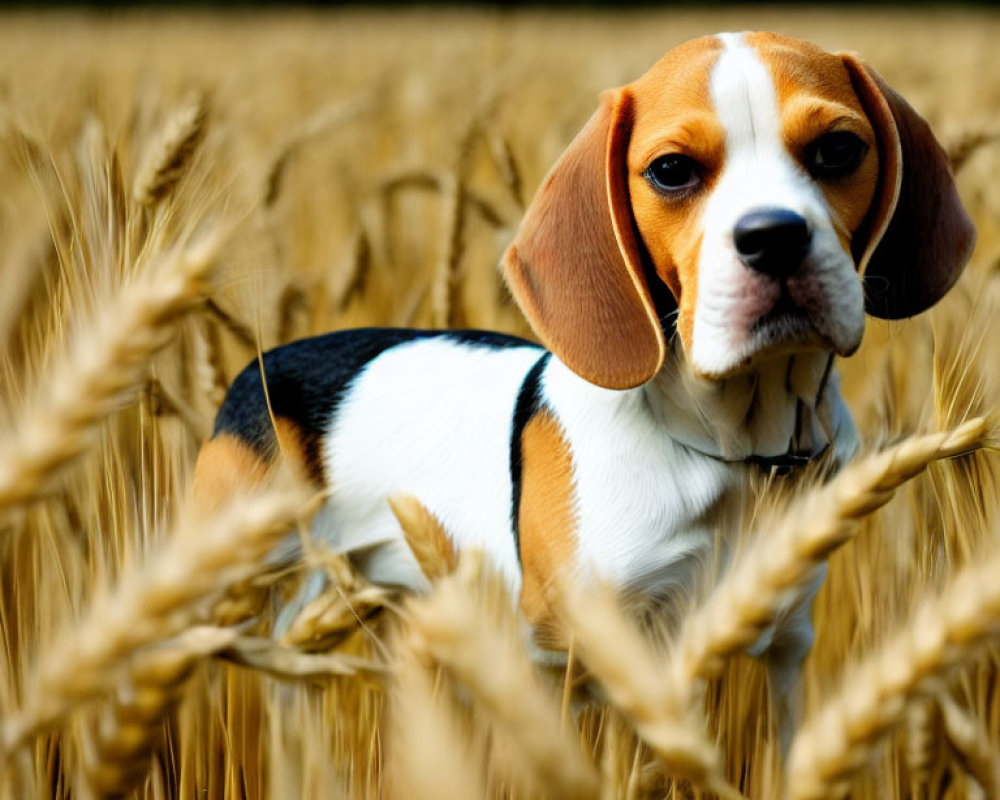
548, 521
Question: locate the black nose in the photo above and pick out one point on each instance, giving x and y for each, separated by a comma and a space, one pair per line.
772, 240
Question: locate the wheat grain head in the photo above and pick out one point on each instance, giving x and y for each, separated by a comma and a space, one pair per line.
753, 592
170, 154
634, 680
943, 632
100, 366
466, 624
202, 558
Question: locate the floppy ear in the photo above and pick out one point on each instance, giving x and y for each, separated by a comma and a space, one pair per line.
575, 266
918, 237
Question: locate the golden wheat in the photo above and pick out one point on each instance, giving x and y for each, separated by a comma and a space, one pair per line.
636, 683
425, 535
128, 727
375, 165
202, 558
481, 647
753, 593
168, 157
970, 741
101, 364
429, 757
942, 633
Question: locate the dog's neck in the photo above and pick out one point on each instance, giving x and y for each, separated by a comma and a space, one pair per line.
789, 405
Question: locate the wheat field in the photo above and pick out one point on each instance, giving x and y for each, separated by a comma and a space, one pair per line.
180, 192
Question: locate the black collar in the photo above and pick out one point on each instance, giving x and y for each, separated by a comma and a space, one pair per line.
779, 465
783, 464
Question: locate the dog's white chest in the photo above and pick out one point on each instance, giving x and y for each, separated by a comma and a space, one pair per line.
642, 497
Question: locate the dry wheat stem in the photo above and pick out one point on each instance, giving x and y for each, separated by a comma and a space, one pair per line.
202, 558
943, 632
785, 561
632, 676
171, 153
99, 367
284, 663
970, 741
454, 626
317, 125
242, 332
446, 283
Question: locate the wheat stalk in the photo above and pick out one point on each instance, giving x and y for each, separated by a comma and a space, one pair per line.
786, 560
481, 646
284, 663
614, 651
201, 559
168, 157
446, 282
100, 366
943, 632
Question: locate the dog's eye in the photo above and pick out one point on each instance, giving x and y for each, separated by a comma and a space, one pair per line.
673, 172
835, 154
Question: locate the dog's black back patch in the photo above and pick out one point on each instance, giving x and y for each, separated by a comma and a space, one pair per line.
307, 379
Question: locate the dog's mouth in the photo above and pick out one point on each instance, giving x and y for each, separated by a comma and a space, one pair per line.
786, 327
775, 318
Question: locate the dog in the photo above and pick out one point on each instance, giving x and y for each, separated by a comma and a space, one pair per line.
692, 265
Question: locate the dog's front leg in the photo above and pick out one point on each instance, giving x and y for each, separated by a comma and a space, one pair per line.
783, 648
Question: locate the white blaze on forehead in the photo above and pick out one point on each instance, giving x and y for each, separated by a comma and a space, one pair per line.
759, 170
744, 97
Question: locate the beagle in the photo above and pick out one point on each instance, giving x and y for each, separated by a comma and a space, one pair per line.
706, 245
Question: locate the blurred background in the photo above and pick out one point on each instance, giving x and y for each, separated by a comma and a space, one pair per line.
372, 164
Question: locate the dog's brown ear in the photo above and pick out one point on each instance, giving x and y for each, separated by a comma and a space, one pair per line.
575, 266
917, 237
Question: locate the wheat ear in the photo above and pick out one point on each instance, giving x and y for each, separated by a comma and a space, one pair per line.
329, 619
100, 366
129, 727
480, 644
426, 536
170, 154
942, 633
923, 743
758, 586
614, 651
428, 756
970, 741
201, 559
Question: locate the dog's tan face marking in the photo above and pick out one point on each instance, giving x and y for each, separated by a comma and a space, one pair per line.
815, 97
746, 112
674, 114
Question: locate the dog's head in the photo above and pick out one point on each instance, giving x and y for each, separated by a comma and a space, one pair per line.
778, 191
